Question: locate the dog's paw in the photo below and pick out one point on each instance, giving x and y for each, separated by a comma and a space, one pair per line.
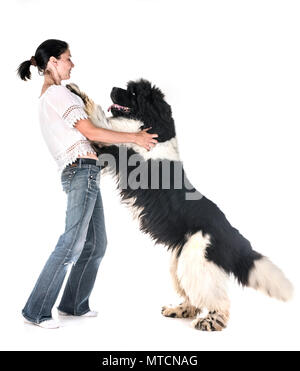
73, 87
181, 311
213, 322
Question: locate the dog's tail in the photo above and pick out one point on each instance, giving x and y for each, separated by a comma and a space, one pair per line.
234, 253
268, 278
254, 270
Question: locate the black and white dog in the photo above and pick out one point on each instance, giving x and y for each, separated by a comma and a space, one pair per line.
205, 248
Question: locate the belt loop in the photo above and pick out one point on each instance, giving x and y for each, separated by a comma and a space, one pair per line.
79, 162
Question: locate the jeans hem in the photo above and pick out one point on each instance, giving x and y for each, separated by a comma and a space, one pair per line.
73, 314
35, 321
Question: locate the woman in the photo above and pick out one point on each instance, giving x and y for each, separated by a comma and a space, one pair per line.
67, 131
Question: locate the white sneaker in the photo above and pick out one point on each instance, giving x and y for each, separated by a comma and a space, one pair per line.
49, 323
90, 313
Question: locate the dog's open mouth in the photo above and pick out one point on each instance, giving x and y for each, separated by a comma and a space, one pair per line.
118, 107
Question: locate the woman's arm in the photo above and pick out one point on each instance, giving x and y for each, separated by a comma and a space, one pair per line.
91, 132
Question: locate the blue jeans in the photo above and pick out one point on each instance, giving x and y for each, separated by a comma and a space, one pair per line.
82, 244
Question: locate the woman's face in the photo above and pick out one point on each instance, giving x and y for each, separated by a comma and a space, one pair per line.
63, 65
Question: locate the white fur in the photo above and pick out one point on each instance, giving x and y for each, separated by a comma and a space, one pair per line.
268, 278
123, 124
162, 150
204, 282
97, 115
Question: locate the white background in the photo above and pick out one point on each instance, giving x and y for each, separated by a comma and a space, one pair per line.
230, 71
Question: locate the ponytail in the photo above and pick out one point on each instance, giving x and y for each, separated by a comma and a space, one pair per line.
23, 70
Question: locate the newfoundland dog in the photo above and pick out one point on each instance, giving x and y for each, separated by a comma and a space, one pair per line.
205, 248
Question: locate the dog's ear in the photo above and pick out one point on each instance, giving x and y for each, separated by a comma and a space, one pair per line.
157, 95
150, 99
143, 88
160, 105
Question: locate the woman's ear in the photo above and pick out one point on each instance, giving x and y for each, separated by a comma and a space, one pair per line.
53, 60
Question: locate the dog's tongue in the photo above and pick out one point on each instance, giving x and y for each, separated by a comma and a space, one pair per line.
117, 106
114, 106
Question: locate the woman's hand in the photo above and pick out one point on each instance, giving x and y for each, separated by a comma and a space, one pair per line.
145, 139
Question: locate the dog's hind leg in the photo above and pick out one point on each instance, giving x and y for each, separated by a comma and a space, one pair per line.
214, 321
204, 283
184, 309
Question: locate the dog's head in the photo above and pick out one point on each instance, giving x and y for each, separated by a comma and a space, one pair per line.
144, 102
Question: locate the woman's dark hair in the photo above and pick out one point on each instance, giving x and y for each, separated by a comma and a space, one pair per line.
47, 49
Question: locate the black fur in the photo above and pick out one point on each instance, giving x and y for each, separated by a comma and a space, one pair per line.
167, 215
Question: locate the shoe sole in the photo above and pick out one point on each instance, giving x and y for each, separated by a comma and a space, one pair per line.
39, 325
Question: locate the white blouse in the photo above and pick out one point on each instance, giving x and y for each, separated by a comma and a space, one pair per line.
59, 109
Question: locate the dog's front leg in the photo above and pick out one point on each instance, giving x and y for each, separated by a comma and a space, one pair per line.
183, 310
